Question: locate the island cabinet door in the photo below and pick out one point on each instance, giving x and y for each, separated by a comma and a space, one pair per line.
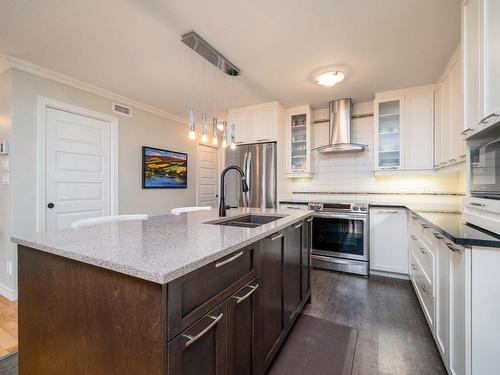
201, 349
306, 259
292, 272
241, 327
270, 325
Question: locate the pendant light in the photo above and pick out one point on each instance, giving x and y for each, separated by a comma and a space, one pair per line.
214, 120
224, 134
204, 122
192, 132
233, 136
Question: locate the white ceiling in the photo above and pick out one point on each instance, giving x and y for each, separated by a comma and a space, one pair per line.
133, 48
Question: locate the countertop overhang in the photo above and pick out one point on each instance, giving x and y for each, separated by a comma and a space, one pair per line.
161, 248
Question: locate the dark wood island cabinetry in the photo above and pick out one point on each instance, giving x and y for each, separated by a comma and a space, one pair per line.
228, 317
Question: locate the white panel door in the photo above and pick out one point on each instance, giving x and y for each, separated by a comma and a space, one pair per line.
208, 172
240, 121
419, 131
77, 168
457, 144
262, 125
388, 242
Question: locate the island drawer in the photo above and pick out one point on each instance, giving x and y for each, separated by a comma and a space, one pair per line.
193, 295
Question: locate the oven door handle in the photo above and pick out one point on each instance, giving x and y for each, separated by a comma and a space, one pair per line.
348, 216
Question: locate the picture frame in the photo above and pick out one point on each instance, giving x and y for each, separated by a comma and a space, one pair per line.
164, 169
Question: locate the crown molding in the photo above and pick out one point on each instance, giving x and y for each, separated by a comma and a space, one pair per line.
7, 61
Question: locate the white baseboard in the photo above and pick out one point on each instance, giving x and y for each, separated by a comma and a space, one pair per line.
390, 274
10, 294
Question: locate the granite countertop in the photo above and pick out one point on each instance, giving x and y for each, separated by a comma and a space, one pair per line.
453, 227
161, 248
448, 222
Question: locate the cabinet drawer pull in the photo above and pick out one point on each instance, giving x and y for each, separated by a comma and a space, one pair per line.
485, 120
192, 339
477, 204
297, 226
466, 131
413, 237
438, 236
425, 226
387, 212
424, 289
229, 260
241, 299
293, 208
422, 250
454, 249
276, 236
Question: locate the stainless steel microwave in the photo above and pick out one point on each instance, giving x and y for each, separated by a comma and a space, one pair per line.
485, 169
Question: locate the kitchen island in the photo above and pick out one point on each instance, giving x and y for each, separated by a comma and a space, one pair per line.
168, 295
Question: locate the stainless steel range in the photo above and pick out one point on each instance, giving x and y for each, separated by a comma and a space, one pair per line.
340, 237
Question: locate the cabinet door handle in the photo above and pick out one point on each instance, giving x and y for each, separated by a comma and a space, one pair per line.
454, 249
437, 235
297, 226
310, 219
276, 236
192, 339
466, 131
425, 226
387, 212
293, 208
241, 299
262, 140
423, 251
485, 120
413, 237
424, 289
229, 260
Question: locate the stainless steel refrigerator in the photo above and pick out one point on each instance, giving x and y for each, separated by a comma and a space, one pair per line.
258, 161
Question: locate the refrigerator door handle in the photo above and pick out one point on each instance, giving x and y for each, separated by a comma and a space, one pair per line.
247, 171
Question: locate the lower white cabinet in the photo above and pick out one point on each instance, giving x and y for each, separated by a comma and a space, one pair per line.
388, 240
442, 327
485, 310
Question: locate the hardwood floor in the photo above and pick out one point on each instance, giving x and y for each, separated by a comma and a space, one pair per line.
393, 335
8, 327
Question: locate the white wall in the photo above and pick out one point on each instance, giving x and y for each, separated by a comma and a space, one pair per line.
143, 129
353, 172
7, 282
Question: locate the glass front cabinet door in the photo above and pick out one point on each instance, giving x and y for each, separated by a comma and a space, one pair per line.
299, 160
387, 137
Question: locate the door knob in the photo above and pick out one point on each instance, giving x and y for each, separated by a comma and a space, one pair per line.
50, 205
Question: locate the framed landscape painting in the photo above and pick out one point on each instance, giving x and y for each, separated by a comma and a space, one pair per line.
163, 169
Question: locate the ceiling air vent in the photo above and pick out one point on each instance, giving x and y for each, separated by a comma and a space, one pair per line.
122, 110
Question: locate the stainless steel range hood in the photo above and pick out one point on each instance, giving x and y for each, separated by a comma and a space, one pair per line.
339, 130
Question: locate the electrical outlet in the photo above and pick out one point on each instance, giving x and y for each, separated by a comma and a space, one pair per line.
10, 267
5, 179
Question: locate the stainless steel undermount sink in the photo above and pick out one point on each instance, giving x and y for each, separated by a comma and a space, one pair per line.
247, 221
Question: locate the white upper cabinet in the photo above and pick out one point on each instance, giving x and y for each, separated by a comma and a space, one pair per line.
404, 129
491, 53
298, 142
449, 145
471, 36
419, 130
258, 123
481, 57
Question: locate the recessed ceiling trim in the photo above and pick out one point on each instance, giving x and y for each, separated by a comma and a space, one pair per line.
209, 53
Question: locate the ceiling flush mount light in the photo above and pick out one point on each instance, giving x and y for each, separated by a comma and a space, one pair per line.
329, 78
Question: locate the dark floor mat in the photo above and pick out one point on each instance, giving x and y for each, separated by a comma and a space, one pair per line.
8, 365
316, 346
